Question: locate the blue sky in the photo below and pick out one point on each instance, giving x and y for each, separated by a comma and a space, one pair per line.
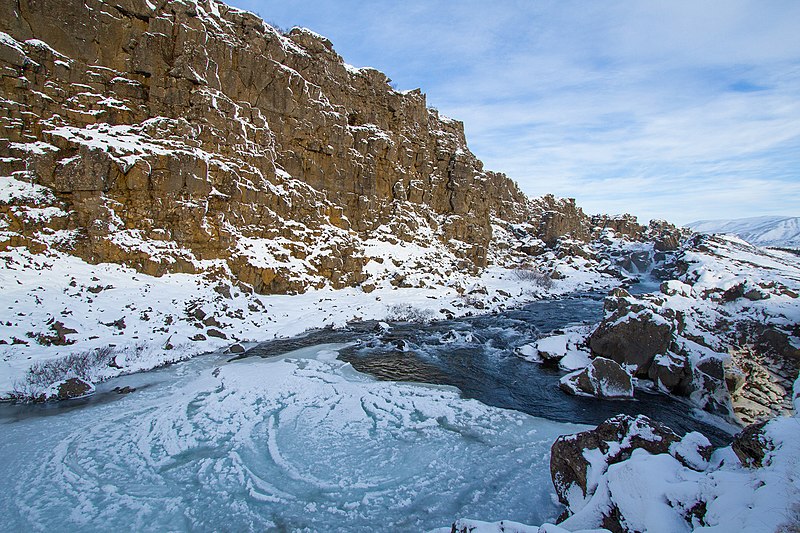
681, 110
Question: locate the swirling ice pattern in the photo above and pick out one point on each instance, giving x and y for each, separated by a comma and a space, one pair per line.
290, 444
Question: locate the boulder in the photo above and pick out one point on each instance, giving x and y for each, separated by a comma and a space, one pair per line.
733, 293
756, 294
674, 287
576, 460
236, 348
619, 292
603, 378
211, 332
210, 321
547, 350
666, 237
68, 389
752, 445
712, 367
709, 387
635, 340
667, 243
671, 372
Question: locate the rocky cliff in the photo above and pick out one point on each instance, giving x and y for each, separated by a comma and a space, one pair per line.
189, 136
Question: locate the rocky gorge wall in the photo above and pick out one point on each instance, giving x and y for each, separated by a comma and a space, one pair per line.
189, 136
173, 135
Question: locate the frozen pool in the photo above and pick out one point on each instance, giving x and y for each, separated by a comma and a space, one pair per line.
291, 443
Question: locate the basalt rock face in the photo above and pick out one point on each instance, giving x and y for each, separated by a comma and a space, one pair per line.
188, 135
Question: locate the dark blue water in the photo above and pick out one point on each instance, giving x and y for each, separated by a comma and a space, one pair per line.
477, 355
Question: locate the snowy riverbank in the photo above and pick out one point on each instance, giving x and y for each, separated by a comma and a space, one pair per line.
56, 305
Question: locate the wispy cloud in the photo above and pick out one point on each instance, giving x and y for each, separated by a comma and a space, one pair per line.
678, 110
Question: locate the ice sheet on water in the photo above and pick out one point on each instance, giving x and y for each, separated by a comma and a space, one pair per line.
294, 442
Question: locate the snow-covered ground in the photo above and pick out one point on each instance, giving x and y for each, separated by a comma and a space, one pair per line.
300, 442
55, 305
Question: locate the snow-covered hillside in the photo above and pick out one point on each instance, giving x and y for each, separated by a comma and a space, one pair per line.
761, 231
58, 306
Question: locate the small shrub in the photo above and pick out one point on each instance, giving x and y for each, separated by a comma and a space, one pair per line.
409, 313
540, 279
42, 374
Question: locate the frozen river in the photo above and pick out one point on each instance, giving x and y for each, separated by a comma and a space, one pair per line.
298, 440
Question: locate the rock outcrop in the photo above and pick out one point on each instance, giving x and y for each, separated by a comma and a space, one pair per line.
174, 135
578, 461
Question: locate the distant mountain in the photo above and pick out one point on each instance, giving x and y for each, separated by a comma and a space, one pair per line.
761, 231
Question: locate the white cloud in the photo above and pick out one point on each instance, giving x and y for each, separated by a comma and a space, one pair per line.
676, 109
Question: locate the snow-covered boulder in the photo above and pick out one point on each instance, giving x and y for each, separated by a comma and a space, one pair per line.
603, 378
548, 350
752, 445
671, 372
566, 350
673, 286
632, 339
68, 389
577, 462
